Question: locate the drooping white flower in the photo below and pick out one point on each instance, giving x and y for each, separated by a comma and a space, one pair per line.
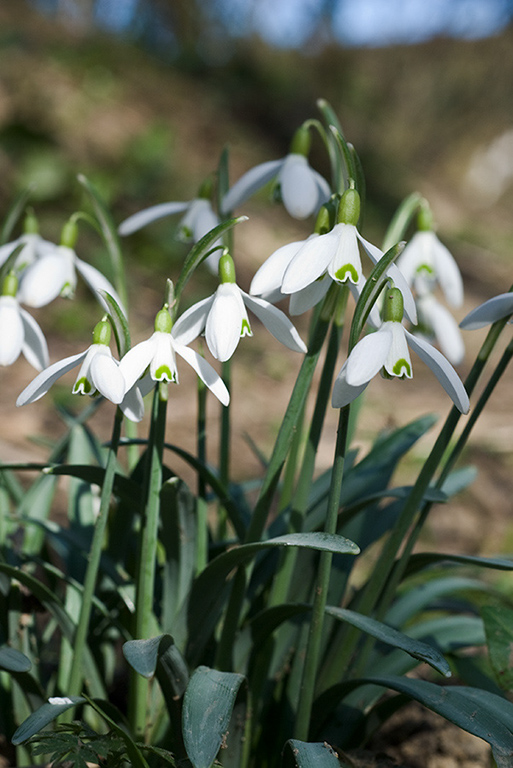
437, 322
158, 355
492, 310
426, 254
99, 372
54, 273
302, 189
387, 350
19, 332
31, 245
224, 319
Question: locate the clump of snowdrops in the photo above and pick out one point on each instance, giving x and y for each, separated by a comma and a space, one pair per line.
165, 625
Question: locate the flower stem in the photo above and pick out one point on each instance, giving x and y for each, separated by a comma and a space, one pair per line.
224, 452
144, 598
201, 504
76, 672
321, 589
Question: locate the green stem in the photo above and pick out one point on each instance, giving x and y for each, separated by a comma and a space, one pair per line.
201, 505
76, 672
144, 598
321, 589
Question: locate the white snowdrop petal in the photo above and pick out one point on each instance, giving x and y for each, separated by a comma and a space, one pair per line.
276, 323
309, 263
443, 371
44, 280
224, 326
43, 381
269, 276
11, 330
192, 322
368, 357
346, 263
343, 393
207, 374
445, 328
98, 282
106, 376
155, 212
34, 348
249, 183
448, 273
136, 360
398, 362
299, 191
163, 362
492, 310
310, 296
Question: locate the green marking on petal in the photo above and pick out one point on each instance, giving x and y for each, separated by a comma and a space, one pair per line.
400, 366
82, 386
246, 329
67, 291
348, 270
425, 268
164, 374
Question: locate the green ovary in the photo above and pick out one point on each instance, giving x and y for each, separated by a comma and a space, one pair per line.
348, 270
164, 374
402, 368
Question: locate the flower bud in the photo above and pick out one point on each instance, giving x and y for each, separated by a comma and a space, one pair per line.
393, 306
205, 191
349, 207
425, 218
30, 224
323, 222
226, 268
301, 142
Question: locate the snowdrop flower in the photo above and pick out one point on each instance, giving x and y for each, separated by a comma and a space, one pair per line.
387, 350
302, 189
99, 372
437, 322
492, 310
158, 355
53, 273
224, 319
426, 254
33, 246
19, 332
306, 269
198, 219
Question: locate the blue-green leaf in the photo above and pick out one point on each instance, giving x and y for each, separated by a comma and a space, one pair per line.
207, 708
13, 660
43, 716
313, 755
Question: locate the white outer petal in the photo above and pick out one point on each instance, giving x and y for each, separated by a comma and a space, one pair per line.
200, 218
11, 330
343, 393
34, 346
207, 374
155, 212
447, 272
249, 183
269, 277
132, 404
43, 381
368, 357
444, 326
492, 310
443, 371
276, 322
224, 326
136, 360
310, 262
192, 322
97, 282
44, 280
299, 190
106, 375
310, 296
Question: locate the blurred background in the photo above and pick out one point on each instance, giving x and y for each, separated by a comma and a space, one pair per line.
142, 96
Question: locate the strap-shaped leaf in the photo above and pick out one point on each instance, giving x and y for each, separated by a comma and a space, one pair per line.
13, 660
312, 755
119, 322
156, 656
208, 703
416, 648
43, 716
498, 623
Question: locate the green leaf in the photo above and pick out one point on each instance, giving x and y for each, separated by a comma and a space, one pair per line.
479, 712
312, 755
401, 220
416, 648
423, 560
124, 487
208, 703
207, 597
43, 716
119, 323
14, 213
13, 660
133, 751
498, 623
